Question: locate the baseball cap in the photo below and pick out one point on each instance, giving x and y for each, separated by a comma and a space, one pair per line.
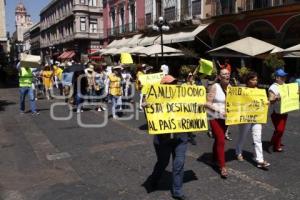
167, 79
280, 73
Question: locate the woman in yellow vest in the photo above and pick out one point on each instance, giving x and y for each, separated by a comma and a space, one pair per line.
115, 89
141, 70
25, 87
47, 75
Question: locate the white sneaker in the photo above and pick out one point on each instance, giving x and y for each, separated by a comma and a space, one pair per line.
99, 109
104, 109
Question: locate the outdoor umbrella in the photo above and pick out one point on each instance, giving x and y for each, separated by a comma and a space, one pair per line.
246, 47
295, 48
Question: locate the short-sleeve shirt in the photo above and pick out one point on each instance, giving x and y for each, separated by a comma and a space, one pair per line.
275, 89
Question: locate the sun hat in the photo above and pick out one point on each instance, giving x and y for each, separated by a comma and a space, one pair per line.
167, 79
118, 67
280, 73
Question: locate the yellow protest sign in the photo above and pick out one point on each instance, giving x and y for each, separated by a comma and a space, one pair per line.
126, 58
149, 79
206, 66
175, 108
246, 105
289, 97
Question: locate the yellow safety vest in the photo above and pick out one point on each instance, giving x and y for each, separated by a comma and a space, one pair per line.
114, 85
25, 79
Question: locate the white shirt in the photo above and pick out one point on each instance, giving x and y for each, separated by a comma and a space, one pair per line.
276, 106
218, 103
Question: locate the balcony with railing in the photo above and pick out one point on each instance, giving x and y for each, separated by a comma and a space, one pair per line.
121, 30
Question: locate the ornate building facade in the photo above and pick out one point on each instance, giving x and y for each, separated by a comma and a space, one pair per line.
71, 25
122, 18
3, 37
23, 22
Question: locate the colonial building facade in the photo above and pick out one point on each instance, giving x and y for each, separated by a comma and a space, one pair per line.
3, 38
75, 25
274, 21
122, 18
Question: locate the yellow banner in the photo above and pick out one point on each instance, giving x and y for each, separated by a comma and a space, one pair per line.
289, 97
175, 109
150, 78
246, 105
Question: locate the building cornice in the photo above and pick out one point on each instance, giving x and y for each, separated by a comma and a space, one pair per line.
48, 6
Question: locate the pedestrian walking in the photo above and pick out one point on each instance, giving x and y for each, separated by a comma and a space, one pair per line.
141, 70
100, 78
279, 120
166, 145
115, 89
216, 110
253, 128
47, 76
25, 87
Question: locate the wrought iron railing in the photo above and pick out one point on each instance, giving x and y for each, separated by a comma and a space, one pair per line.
118, 30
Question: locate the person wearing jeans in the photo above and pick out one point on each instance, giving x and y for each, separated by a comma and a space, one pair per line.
166, 145
279, 120
255, 129
216, 110
25, 87
115, 89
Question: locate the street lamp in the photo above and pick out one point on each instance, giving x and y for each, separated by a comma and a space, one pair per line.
161, 25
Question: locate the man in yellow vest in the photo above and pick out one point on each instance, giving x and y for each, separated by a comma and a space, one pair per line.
25, 87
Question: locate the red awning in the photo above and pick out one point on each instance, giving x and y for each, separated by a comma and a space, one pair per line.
62, 55
67, 55
71, 54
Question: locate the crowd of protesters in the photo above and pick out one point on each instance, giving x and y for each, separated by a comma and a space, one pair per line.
103, 84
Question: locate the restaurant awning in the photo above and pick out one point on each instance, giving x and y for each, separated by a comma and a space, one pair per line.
67, 55
147, 41
246, 47
134, 41
109, 51
156, 50
136, 50
181, 36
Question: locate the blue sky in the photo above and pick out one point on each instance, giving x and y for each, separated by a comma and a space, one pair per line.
33, 8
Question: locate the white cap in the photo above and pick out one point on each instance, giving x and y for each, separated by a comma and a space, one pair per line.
165, 69
69, 63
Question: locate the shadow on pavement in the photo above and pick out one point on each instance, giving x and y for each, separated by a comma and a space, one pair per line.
144, 127
165, 182
4, 103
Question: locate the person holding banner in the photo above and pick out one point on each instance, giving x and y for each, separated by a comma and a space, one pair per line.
279, 120
216, 110
166, 145
255, 129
